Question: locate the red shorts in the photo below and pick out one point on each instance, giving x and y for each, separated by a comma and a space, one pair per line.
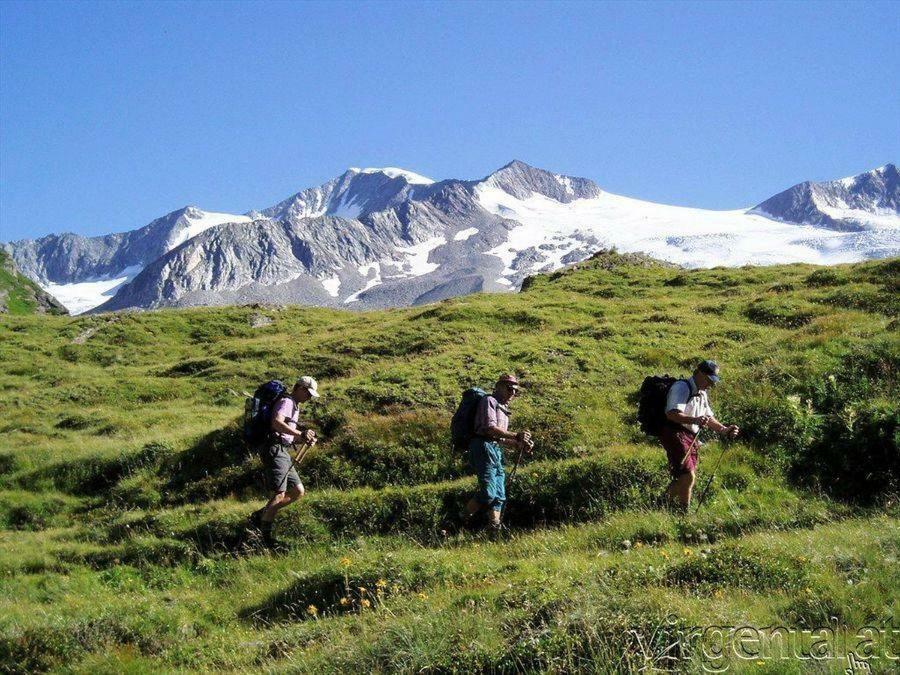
678, 442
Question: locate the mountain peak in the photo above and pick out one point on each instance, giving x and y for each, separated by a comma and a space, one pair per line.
522, 180
351, 195
887, 171
851, 203
516, 164
394, 172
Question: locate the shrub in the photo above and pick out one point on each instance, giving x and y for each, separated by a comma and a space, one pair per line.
397, 449
8, 463
76, 422
864, 297
730, 566
782, 312
857, 454
840, 432
340, 587
210, 468
92, 475
681, 279
781, 426
189, 367
29, 511
826, 277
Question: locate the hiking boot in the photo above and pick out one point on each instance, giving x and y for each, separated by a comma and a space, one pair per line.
255, 520
273, 544
269, 540
468, 520
496, 532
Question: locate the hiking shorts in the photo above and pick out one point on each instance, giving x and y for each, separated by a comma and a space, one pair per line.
280, 475
677, 443
486, 460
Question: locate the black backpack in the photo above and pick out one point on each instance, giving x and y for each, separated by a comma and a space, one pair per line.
462, 426
258, 411
652, 402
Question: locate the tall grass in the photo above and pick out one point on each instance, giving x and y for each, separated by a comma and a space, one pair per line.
124, 486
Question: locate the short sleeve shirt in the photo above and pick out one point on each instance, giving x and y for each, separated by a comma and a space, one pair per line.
291, 413
491, 413
684, 397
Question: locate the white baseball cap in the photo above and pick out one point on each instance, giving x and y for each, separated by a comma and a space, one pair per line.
310, 385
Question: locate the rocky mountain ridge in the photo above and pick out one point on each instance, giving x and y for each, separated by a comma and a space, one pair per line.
390, 237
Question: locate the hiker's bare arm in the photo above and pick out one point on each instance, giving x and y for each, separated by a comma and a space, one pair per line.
509, 438
715, 425
679, 417
500, 435
279, 425
730, 430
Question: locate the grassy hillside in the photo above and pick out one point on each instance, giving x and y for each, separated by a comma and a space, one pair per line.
124, 485
20, 295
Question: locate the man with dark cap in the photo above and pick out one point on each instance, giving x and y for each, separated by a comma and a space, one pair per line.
486, 449
688, 411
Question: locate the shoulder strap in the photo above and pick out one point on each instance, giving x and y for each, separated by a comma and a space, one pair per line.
691, 393
294, 405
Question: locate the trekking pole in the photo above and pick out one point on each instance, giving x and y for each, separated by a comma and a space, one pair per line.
711, 476
512, 474
693, 445
301, 453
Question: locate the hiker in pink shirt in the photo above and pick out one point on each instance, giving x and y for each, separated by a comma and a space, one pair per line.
282, 480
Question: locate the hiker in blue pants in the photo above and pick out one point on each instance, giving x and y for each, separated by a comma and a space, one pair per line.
486, 450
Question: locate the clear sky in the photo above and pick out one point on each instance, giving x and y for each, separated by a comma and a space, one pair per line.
113, 114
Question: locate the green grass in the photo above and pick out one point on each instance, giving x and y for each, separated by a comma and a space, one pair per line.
124, 485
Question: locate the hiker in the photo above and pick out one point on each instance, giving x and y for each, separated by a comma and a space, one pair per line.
688, 411
486, 450
282, 481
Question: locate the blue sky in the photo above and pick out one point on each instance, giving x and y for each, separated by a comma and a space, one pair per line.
114, 114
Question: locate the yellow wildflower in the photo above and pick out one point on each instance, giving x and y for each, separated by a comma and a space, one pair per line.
423, 596
688, 552
345, 601
365, 603
312, 610
638, 544
363, 589
346, 562
381, 583
664, 554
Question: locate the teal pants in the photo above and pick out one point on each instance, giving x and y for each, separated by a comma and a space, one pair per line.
486, 460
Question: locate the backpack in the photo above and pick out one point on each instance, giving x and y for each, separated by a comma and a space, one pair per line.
652, 402
462, 426
258, 411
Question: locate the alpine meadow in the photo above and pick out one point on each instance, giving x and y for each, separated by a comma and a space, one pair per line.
125, 484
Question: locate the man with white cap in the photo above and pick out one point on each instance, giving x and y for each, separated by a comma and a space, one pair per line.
282, 480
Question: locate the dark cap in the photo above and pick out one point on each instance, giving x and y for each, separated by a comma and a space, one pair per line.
710, 369
508, 379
